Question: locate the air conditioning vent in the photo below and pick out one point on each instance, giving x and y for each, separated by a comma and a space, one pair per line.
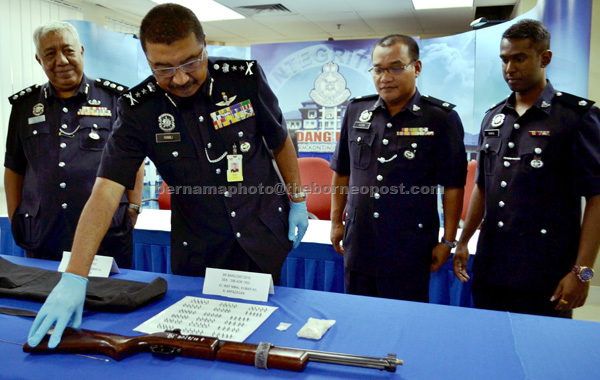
265, 9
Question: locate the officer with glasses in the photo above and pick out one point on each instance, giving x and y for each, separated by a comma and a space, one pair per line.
211, 126
399, 145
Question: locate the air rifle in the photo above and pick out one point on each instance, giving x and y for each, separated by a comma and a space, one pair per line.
172, 343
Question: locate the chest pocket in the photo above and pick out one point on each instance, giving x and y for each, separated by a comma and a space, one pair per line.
37, 140
93, 132
361, 150
177, 163
491, 149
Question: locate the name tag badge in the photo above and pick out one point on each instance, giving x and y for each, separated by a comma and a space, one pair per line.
234, 168
36, 119
168, 137
361, 125
491, 132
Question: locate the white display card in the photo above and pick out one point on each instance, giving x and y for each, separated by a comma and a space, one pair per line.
230, 321
102, 266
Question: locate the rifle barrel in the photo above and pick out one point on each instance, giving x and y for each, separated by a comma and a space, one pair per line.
387, 363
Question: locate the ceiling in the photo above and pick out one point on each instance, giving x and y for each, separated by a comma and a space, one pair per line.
309, 20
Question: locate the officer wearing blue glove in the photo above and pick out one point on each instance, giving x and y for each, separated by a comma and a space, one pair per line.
211, 126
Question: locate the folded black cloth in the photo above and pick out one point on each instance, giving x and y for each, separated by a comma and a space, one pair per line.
103, 294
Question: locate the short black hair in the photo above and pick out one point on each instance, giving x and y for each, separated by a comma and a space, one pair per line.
392, 39
167, 23
532, 29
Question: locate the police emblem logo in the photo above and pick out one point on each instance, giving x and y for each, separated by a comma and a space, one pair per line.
166, 122
38, 109
498, 120
245, 147
537, 164
365, 116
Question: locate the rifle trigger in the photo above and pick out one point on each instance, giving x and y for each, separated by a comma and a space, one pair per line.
164, 352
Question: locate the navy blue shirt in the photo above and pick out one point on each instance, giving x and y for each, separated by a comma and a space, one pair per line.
189, 142
56, 144
534, 169
395, 164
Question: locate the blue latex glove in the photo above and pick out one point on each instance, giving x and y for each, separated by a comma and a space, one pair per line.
298, 219
65, 301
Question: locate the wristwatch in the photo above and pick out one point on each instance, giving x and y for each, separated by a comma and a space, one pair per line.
584, 274
136, 208
451, 244
300, 194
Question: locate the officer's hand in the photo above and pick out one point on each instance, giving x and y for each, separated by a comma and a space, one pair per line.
134, 215
461, 257
439, 256
298, 219
570, 292
65, 301
337, 236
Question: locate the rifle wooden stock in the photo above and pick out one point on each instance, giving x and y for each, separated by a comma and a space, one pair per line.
170, 344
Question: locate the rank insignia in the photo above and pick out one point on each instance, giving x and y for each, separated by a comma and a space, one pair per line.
545, 104
419, 131
94, 111
166, 122
233, 114
38, 109
365, 116
498, 120
226, 100
94, 102
539, 133
415, 108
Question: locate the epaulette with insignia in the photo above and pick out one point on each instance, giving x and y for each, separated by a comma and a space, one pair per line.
141, 92
575, 101
24, 93
233, 67
438, 102
119, 88
364, 97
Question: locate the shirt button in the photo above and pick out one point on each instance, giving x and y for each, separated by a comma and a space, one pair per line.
381, 159
501, 204
385, 141
389, 125
280, 209
209, 145
241, 134
500, 224
64, 126
487, 146
544, 232
358, 139
379, 177
35, 132
233, 214
511, 144
65, 109
517, 126
414, 145
185, 243
538, 150
61, 164
226, 194
27, 215
95, 126
506, 163
420, 225
375, 215
64, 206
63, 145
63, 185
201, 119
503, 184
238, 235
175, 154
376, 195
218, 171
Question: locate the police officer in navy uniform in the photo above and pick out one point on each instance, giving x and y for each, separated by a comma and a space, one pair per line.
539, 153
395, 148
56, 135
194, 118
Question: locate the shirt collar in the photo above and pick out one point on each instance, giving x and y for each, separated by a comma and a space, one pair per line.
413, 105
48, 90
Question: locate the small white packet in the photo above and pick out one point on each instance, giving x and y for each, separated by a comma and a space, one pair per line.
283, 326
315, 328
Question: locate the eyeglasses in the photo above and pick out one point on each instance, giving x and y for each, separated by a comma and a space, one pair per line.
394, 70
189, 67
